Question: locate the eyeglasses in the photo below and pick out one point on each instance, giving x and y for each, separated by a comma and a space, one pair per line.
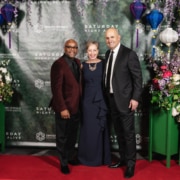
71, 47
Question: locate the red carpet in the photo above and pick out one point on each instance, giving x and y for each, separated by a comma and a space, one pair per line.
22, 167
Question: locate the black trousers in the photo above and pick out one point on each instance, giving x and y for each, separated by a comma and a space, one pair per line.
124, 127
66, 137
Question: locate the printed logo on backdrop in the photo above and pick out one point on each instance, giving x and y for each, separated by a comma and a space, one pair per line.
46, 55
138, 139
39, 28
16, 83
113, 139
94, 28
7, 55
39, 83
138, 116
51, 2
13, 135
41, 136
13, 109
44, 110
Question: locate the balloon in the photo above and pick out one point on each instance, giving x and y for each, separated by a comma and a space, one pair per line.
1, 19
168, 36
137, 9
154, 18
8, 12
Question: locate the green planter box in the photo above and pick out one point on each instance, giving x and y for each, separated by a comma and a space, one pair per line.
2, 127
163, 134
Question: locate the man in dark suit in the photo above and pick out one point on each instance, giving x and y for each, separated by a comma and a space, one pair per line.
66, 92
123, 92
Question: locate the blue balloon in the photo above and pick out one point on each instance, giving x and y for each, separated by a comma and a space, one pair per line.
1, 19
154, 18
8, 12
137, 9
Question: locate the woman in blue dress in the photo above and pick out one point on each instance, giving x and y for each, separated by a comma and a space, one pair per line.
94, 140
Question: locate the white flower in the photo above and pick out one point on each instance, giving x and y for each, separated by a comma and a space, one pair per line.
6, 91
174, 112
176, 78
3, 70
8, 78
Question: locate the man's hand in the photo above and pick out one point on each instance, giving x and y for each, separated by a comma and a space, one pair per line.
65, 114
133, 104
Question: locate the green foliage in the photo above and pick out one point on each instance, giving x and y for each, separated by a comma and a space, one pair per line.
165, 86
6, 91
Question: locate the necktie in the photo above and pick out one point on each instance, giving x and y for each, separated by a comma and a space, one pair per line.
109, 72
75, 70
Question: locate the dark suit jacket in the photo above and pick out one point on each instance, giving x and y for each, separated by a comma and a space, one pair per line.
66, 90
127, 78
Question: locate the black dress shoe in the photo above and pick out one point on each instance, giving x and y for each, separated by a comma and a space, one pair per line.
74, 162
129, 172
65, 169
118, 164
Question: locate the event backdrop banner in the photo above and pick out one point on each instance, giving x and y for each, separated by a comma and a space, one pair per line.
35, 40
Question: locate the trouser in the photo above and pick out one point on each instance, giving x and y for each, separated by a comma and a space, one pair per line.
66, 137
124, 127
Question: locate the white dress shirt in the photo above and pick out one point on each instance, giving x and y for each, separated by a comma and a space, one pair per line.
115, 52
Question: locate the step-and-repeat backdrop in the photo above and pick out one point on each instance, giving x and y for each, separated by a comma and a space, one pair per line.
35, 40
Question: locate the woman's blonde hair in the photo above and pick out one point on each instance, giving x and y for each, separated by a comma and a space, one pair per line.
92, 42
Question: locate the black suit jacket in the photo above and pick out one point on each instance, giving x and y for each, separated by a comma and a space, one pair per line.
126, 78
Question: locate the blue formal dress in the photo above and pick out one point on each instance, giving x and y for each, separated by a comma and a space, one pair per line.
94, 142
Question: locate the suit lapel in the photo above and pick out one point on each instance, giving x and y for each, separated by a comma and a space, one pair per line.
118, 58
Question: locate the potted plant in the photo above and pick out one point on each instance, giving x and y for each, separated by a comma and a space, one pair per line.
165, 104
165, 85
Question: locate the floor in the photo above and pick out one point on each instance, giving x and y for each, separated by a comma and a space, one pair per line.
40, 151
51, 151
29, 151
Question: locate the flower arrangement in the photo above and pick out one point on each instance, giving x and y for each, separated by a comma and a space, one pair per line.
6, 91
165, 85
